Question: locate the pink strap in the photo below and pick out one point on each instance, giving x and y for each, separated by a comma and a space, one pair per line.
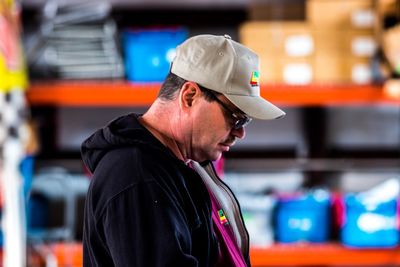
230, 254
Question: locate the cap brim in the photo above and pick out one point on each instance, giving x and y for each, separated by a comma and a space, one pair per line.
256, 107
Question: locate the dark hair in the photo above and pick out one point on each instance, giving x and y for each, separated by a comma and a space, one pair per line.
173, 83
209, 94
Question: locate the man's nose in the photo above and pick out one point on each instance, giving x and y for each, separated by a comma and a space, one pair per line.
239, 133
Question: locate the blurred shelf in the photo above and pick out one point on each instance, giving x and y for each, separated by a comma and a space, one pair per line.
156, 3
122, 93
332, 254
318, 164
323, 255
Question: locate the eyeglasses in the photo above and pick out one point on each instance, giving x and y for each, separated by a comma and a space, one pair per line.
239, 121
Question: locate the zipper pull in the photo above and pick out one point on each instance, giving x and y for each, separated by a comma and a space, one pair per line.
222, 219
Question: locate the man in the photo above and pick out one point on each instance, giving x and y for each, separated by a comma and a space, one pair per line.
155, 199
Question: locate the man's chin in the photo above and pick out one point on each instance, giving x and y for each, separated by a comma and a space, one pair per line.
210, 156
217, 156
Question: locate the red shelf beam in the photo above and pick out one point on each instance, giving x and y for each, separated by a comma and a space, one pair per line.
122, 93
299, 254
331, 254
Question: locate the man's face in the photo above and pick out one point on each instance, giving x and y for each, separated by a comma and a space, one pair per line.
213, 131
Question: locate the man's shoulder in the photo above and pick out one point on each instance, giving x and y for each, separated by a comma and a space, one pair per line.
123, 171
130, 165
135, 158
120, 171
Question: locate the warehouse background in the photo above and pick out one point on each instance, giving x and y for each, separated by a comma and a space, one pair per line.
325, 178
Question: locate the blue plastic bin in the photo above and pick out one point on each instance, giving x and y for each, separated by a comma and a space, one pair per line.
304, 218
369, 226
148, 53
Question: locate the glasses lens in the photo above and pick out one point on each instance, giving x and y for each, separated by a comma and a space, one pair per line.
242, 122
238, 121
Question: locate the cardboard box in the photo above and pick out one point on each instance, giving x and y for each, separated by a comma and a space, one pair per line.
329, 41
358, 70
296, 53
298, 72
285, 50
340, 68
269, 69
360, 43
328, 62
276, 10
300, 40
343, 55
329, 68
293, 39
286, 70
342, 14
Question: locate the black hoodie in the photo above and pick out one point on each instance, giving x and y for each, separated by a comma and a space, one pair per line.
144, 207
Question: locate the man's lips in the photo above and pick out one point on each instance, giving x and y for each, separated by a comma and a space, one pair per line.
226, 146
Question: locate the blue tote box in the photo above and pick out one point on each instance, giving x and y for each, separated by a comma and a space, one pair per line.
303, 218
148, 52
369, 226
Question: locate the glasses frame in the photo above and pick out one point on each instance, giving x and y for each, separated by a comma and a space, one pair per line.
240, 121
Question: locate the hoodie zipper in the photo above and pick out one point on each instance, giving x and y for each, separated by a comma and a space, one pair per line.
240, 231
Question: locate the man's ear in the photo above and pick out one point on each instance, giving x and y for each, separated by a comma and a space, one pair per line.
188, 94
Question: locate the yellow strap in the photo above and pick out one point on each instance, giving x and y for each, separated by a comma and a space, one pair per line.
12, 80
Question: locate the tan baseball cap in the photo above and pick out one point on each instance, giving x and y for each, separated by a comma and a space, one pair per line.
225, 66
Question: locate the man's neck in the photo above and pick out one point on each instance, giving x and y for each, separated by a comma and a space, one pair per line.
161, 131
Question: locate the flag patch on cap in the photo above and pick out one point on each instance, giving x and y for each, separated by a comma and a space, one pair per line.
255, 78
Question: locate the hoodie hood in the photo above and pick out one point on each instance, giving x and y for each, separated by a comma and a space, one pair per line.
124, 131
